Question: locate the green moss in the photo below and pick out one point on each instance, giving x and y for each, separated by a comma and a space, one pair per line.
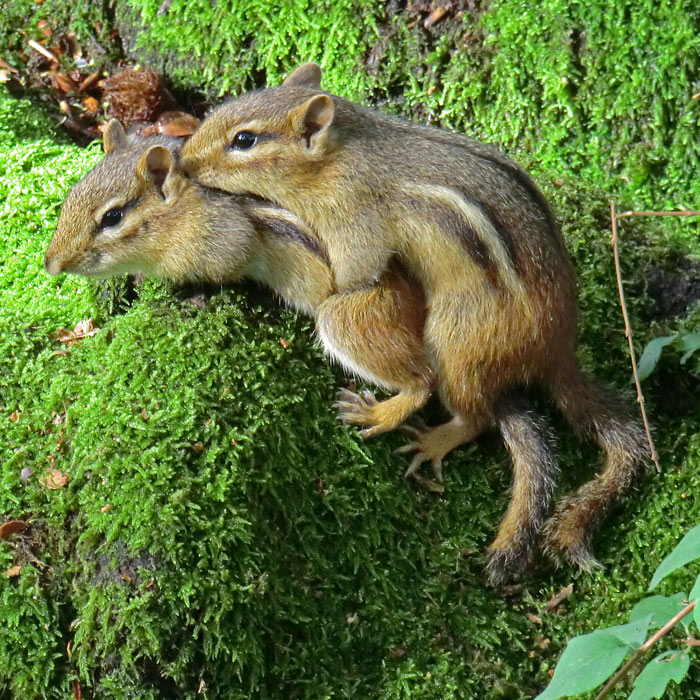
220, 534
253, 39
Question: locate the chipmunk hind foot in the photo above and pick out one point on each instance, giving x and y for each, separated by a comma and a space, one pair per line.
433, 444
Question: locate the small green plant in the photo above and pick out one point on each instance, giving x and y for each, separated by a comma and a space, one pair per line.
594, 658
687, 343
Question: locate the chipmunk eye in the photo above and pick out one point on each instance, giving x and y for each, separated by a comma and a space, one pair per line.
244, 140
111, 217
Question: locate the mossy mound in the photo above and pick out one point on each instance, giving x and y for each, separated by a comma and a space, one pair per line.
219, 534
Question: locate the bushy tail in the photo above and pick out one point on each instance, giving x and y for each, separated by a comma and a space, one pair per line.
594, 411
527, 438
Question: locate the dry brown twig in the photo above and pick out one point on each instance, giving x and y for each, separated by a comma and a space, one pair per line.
644, 649
628, 330
683, 212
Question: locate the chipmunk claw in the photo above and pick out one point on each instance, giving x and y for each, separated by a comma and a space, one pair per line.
356, 409
419, 458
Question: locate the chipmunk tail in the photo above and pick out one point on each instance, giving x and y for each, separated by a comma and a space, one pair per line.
596, 412
527, 437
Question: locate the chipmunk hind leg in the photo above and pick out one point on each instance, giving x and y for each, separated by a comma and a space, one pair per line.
377, 335
527, 438
594, 411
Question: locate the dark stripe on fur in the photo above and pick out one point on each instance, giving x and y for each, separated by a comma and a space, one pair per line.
454, 223
285, 229
498, 225
523, 179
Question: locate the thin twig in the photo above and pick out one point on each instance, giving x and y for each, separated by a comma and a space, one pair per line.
644, 649
658, 213
628, 333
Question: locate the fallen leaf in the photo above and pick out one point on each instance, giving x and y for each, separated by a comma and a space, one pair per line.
62, 82
428, 484
43, 51
12, 527
534, 618
43, 27
84, 329
13, 571
555, 600
89, 81
73, 45
435, 16
106, 508
14, 416
542, 642
173, 123
8, 67
398, 652
25, 475
284, 343
54, 479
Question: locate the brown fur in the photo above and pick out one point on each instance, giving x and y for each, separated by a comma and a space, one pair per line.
176, 229
473, 229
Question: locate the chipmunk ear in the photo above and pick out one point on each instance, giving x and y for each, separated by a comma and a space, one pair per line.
314, 119
114, 137
157, 166
306, 75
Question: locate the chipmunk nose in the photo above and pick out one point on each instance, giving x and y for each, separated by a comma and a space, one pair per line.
52, 264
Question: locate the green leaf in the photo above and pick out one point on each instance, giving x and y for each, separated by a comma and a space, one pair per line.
695, 595
689, 342
589, 660
652, 681
651, 355
687, 550
660, 607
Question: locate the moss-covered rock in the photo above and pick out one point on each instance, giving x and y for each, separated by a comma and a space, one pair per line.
220, 534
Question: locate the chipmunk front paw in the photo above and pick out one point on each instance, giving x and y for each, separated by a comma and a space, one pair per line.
359, 408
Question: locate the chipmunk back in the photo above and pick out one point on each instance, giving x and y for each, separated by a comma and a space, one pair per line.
475, 231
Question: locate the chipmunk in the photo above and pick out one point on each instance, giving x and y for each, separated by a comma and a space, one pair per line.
136, 212
477, 234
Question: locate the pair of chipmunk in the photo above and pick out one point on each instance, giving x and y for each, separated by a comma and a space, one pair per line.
428, 260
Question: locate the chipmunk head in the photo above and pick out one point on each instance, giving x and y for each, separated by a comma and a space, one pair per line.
281, 131
111, 219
